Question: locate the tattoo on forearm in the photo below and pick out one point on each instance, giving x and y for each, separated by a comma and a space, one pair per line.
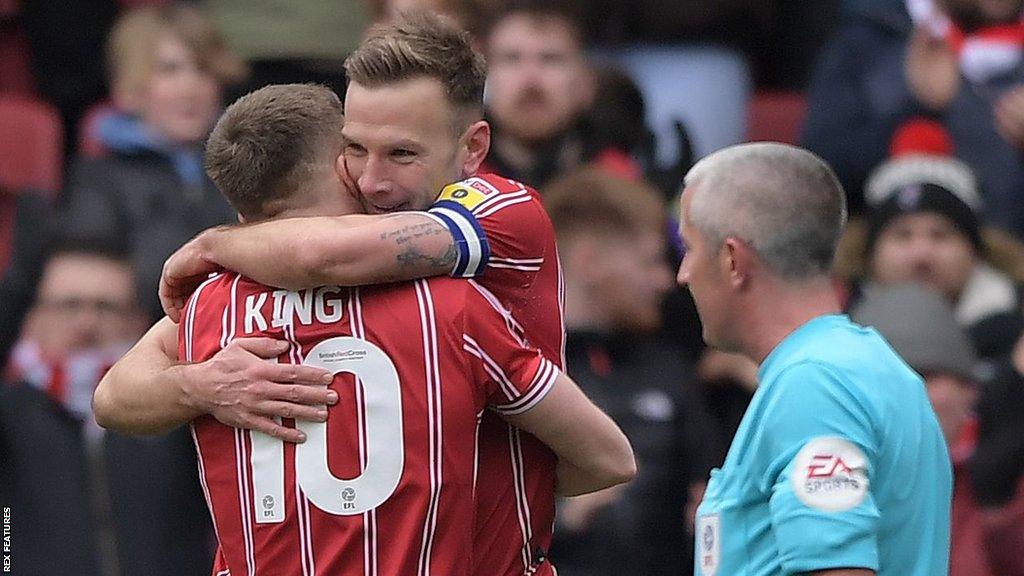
412, 255
409, 233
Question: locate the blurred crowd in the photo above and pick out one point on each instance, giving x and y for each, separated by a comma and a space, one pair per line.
603, 107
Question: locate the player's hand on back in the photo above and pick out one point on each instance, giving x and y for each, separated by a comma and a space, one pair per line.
240, 388
182, 273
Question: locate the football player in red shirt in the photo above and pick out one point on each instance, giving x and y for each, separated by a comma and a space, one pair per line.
413, 125
387, 487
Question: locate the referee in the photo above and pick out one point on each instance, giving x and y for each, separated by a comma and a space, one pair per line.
839, 466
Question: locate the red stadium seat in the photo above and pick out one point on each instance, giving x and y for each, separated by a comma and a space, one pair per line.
15, 72
776, 116
31, 145
89, 144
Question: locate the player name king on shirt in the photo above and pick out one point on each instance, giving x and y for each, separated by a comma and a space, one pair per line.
325, 305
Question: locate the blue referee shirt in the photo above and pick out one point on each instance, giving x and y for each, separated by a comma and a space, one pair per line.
839, 462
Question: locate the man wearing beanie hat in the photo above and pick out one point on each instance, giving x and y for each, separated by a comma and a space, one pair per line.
923, 227
925, 197
921, 327
960, 62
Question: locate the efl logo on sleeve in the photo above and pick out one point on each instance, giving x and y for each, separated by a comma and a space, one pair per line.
470, 193
830, 474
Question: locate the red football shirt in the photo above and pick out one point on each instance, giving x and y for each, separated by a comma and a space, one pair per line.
385, 486
506, 240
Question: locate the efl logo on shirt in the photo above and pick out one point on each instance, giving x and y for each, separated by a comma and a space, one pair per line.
470, 193
830, 474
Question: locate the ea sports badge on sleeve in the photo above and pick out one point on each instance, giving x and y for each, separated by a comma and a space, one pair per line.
830, 474
709, 543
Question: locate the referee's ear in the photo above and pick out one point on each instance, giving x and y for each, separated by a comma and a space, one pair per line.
739, 261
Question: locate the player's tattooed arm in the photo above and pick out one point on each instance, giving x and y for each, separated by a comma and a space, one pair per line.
391, 248
413, 258
410, 240
300, 253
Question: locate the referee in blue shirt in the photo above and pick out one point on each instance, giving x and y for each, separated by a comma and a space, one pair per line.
839, 466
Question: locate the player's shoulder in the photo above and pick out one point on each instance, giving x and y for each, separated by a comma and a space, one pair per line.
455, 295
445, 293
216, 287
498, 183
229, 284
450, 300
459, 293
222, 288
440, 285
200, 331
487, 194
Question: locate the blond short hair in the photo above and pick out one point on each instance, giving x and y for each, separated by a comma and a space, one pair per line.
131, 46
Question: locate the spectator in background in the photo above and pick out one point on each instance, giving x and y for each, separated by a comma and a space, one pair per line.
86, 503
923, 226
538, 89
728, 382
27, 218
467, 13
63, 41
683, 54
610, 234
306, 42
550, 113
624, 143
987, 523
617, 124
168, 67
961, 61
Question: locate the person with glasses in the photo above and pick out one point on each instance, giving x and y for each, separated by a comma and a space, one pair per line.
83, 501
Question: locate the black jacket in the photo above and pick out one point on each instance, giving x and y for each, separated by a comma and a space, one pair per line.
32, 215
647, 387
140, 200
859, 95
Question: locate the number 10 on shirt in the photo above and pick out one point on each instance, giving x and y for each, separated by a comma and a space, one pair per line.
384, 456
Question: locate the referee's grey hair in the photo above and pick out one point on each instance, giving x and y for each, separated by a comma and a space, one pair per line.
782, 200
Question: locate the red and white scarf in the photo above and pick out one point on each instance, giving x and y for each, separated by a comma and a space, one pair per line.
69, 382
